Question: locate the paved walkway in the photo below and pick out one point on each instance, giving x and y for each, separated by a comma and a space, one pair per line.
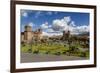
29, 57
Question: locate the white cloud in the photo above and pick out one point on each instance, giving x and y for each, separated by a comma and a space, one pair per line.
37, 14
49, 13
55, 34
72, 24
79, 29
45, 25
22, 28
45, 33
50, 30
84, 28
31, 24
67, 24
61, 24
24, 13
50, 34
67, 19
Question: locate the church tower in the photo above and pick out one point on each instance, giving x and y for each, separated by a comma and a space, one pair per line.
66, 35
28, 28
28, 33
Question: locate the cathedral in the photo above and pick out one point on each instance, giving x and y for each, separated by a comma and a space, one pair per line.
28, 35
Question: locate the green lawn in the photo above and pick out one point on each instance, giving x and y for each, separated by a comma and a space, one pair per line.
54, 48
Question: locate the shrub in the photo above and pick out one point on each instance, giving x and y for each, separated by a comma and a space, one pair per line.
43, 52
73, 49
87, 54
35, 51
82, 54
64, 52
25, 48
29, 50
47, 52
57, 53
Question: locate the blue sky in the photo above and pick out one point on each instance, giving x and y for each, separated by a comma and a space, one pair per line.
55, 21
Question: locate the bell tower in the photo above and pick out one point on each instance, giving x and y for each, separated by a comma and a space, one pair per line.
28, 28
28, 34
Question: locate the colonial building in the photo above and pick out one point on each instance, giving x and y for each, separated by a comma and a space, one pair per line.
28, 35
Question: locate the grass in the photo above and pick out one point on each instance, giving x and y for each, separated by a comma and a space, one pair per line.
55, 49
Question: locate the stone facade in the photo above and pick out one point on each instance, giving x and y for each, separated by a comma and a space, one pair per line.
28, 35
66, 35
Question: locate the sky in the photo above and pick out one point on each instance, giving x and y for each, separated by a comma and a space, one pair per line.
54, 22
